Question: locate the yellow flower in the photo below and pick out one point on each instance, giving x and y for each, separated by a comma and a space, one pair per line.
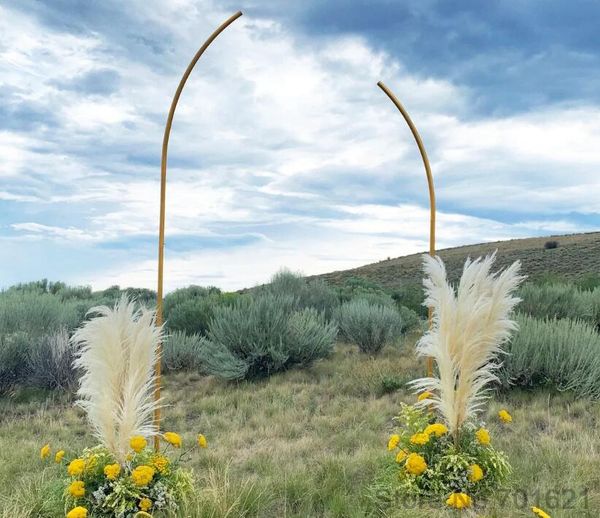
459, 500
483, 436
112, 471
420, 438
393, 442
137, 443
142, 475
59, 456
424, 395
504, 416
401, 456
415, 464
145, 504
76, 467
437, 429
77, 489
475, 473
45, 451
77, 512
539, 512
161, 463
202, 442
174, 439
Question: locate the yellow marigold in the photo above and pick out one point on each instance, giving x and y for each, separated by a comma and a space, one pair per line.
437, 429
174, 439
504, 416
459, 500
137, 443
59, 456
424, 395
393, 441
112, 471
77, 512
483, 436
475, 473
142, 475
420, 438
145, 504
202, 442
161, 463
76, 467
540, 513
45, 451
77, 489
401, 455
415, 464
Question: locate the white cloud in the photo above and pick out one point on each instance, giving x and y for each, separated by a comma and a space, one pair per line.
263, 122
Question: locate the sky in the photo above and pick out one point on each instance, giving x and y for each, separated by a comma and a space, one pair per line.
283, 152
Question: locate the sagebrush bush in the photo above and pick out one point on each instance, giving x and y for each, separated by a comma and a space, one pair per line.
182, 352
49, 361
355, 288
36, 314
13, 349
564, 354
560, 300
369, 326
307, 294
263, 334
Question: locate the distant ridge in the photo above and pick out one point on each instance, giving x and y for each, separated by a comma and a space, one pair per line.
577, 255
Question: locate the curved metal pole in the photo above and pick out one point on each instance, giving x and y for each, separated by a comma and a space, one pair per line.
163, 192
421, 147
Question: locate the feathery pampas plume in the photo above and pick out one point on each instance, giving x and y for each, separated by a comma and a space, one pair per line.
468, 329
117, 353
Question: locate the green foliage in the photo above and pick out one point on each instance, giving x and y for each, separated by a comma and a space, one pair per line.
561, 353
13, 349
190, 310
445, 466
360, 288
307, 294
263, 334
561, 300
182, 352
369, 326
410, 294
49, 361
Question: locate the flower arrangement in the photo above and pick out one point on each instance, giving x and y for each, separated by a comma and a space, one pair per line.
441, 449
97, 483
122, 476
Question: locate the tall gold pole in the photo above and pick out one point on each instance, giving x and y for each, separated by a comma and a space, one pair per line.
163, 193
421, 147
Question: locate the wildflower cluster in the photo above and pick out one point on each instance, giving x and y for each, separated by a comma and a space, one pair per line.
432, 463
146, 481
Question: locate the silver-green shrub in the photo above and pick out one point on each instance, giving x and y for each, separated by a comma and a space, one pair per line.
49, 360
369, 326
263, 334
182, 352
564, 354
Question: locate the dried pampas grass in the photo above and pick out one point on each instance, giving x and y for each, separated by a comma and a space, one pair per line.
468, 329
118, 350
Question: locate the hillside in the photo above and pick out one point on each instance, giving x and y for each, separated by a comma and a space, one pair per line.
576, 256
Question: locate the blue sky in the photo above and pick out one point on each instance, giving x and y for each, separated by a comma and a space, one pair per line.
283, 151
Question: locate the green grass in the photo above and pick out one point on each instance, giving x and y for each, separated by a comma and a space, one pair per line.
309, 443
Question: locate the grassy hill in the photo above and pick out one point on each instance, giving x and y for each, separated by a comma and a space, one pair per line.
577, 256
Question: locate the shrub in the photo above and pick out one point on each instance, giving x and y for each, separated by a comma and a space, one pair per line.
307, 294
13, 349
410, 294
49, 361
410, 319
263, 334
560, 353
369, 326
36, 314
181, 352
360, 288
560, 300
548, 245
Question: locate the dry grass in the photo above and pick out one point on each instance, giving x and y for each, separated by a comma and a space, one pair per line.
308, 443
576, 256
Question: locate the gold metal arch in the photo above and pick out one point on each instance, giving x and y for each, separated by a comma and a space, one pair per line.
421, 147
163, 194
